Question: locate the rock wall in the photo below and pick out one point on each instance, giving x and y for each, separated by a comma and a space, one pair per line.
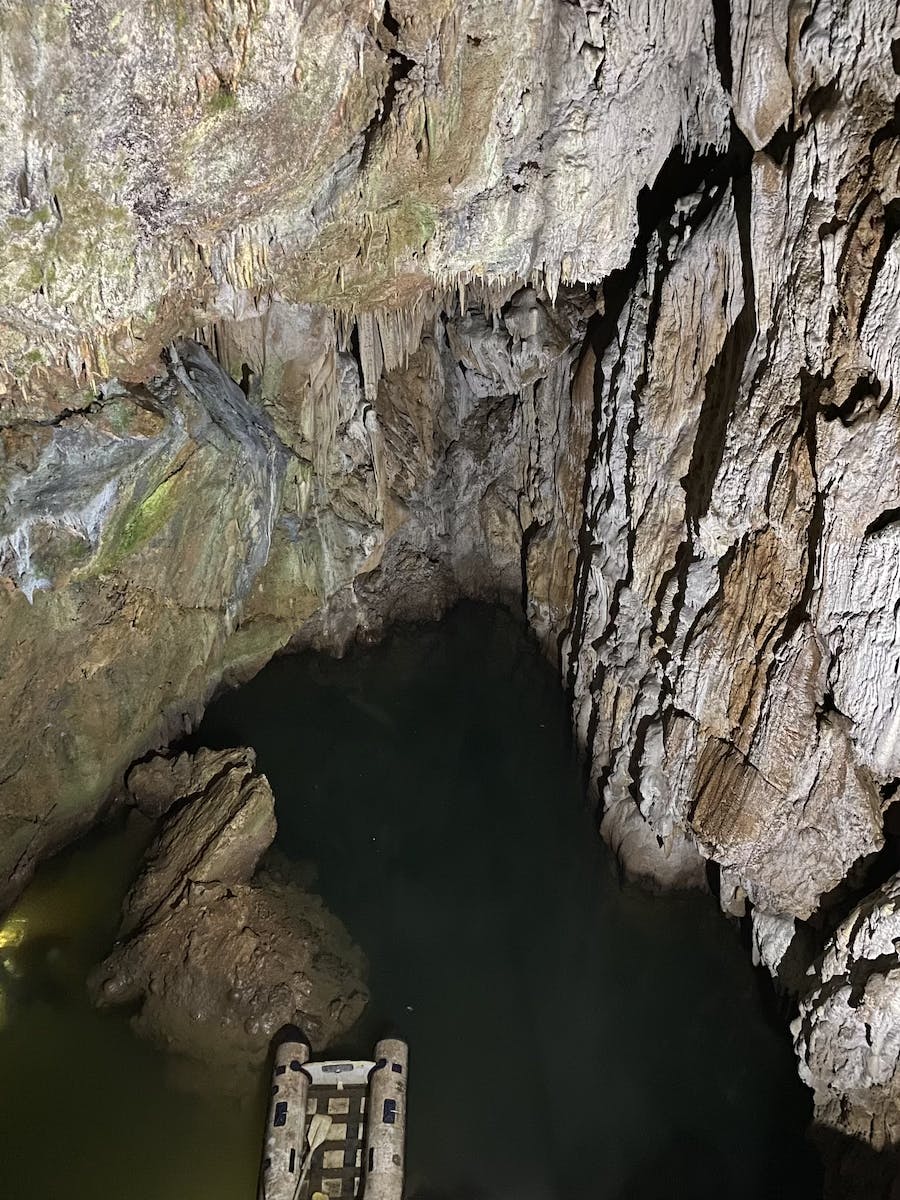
588, 308
173, 535
735, 653
172, 161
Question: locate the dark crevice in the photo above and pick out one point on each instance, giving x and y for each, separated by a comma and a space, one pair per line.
819, 100
891, 224
825, 707
246, 377
722, 41
60, 418
527, 537
811, 390
389, 21
865, 386
399, 68
777, 459
890, 516
780, 143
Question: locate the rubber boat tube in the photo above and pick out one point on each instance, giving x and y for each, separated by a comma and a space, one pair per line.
285, 1142
386, 1121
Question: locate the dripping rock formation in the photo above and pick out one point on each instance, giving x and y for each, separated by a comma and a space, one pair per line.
317, 315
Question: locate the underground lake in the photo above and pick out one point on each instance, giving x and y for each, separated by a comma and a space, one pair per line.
569, 1036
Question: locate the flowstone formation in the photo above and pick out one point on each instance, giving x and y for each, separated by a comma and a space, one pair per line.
217, 957
319, 315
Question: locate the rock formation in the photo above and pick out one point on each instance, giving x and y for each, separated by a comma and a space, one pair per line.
588, 308
218, 963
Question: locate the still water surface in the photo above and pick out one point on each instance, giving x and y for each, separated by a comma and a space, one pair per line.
569, 1039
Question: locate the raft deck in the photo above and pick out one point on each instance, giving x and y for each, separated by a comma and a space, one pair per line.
337, 1165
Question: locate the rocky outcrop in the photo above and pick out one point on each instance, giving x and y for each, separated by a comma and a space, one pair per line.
131, 534
224, 824
847, 1035
733, 654
216, 959
164, 167
848, 1031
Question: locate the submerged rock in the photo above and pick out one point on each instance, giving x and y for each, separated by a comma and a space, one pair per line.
216, 960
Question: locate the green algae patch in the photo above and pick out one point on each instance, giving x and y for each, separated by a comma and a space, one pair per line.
65, 252
152, 513
355, 259
142, 523
120, 415
222, 101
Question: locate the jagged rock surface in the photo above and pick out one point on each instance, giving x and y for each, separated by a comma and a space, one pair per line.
168, 164
130, 536
225, 823
847, 1035
848, 1031
210, 526
734, 654
218, 963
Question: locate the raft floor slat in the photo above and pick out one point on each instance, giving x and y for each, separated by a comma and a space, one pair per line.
337, 1164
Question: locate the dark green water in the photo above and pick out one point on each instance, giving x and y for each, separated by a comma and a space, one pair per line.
88, 1112
568, 1038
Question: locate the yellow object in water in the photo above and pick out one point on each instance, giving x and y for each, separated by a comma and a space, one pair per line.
12, 932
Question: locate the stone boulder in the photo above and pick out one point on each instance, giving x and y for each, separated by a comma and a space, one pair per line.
216, 959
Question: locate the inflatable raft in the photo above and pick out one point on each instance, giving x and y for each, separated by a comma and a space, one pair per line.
335, 1128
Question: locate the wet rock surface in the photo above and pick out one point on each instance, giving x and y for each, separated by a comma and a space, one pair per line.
217, 957
130, 537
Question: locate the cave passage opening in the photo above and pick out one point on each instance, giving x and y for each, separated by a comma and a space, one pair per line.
569, 1038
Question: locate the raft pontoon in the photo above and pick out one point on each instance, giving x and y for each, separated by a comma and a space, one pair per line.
336, 1128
